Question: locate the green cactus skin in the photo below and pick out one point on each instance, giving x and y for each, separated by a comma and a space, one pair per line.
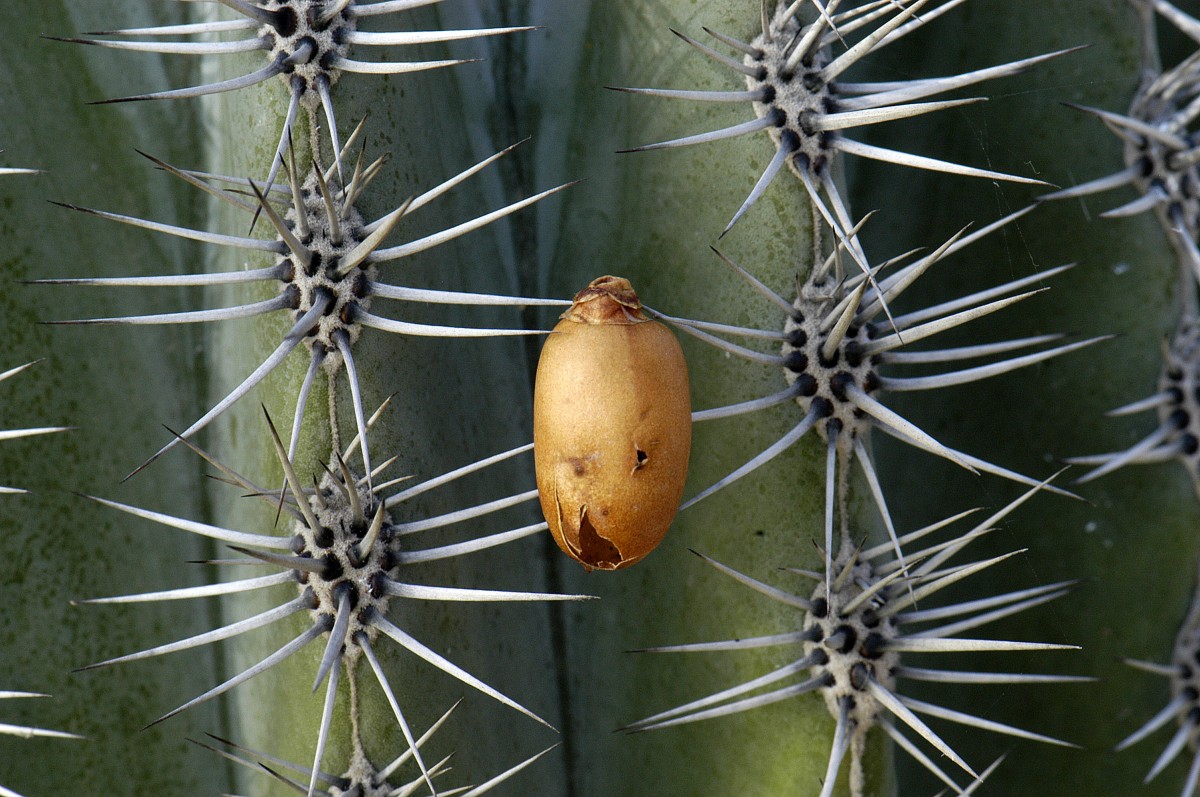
1133, 544
59, 547
614, 224
650, 217
473, 402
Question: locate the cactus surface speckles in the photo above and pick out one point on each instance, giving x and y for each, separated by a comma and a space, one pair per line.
12, 434
24, 731
27, 732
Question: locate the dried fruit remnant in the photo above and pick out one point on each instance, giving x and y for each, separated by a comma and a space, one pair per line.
612, 428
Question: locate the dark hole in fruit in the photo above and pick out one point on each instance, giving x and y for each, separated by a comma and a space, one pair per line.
642, 458
594, 549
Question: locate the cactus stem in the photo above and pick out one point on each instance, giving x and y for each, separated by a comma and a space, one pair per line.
792, 84
830, 355
858, 626
306, 42
346, 554
328, 301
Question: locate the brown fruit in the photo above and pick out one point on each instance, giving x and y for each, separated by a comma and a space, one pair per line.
612, 428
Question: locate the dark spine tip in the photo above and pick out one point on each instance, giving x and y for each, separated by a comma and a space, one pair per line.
838, 384
806, 384
796, 361
822, 406
873, 646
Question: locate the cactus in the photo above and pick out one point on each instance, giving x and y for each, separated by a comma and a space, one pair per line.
339, 265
